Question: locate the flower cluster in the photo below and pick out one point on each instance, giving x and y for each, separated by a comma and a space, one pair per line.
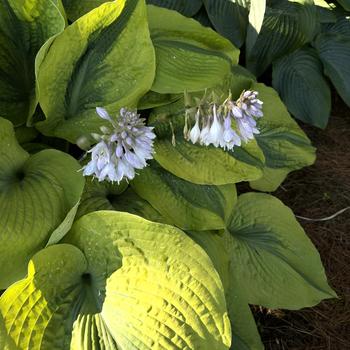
215, 126
123, 147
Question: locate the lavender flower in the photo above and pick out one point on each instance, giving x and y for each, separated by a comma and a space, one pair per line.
124, 146
244, 110
212, 128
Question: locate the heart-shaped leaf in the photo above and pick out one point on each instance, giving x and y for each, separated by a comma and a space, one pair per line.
24, 28
272, 259
37, 195
204, 165
92, 64
185, 204
333, 47
298, 77
287, 26
189, 56
286, 147
118, 281
230, 18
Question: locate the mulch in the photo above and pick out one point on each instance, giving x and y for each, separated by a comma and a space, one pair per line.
316, 192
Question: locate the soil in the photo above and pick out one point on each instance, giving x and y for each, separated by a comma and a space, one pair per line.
317, 192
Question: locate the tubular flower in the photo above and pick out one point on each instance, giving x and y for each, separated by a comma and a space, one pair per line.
125, 145
217, 130
244, 111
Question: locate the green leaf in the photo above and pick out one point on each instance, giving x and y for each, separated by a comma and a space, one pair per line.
287, 26
78, 8
217, 245
185, 7
37, 194
275, 263
24, 27
118, 281
333, 48
325, 10
285, 146
153, 99
256, 18
184, 204
189, 56
200, 164
92, 64
345, 4
298, 77
229, 18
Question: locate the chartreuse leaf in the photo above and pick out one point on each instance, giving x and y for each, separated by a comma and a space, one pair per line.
78, 8
200, 164
217, 245
37, 194
285, 145
265, 258
230, 18
185, 7
118, 281
91, 63
333, 48
185, 204
298, 77
189, 56
24, 28
287, 26
275, 263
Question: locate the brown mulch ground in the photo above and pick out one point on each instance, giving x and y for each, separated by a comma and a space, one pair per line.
315, 192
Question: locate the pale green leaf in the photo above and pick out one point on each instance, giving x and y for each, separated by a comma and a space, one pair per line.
189, 56
90, 64
118, 281
204, 165
78, 8
272, 259
185, 204
37, 194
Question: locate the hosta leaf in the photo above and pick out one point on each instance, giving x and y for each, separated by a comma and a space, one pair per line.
92, 64
334, 50
24, 28
189, 56
275, 263
345, 4
118, 281
298, 77
256, 18
200, 164
287, 26
285, 145
185, 7
184, 204
153, 99
107, 196
230, 18
245, 335
36, 195
78, 8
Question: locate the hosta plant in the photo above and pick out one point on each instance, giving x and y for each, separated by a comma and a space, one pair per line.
305, 42
124, 129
